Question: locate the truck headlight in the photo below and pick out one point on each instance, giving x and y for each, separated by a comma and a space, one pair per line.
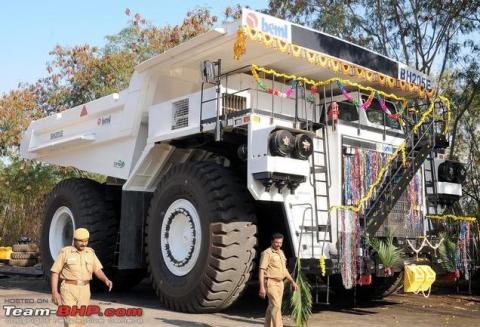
303, 146
281, 143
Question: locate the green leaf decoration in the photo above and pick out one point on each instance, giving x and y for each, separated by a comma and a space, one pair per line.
447, 251
301, 300
287, 299
388, 254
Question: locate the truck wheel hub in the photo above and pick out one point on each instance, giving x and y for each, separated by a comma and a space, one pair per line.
181, 237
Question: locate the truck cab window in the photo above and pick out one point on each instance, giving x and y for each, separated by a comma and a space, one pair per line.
348, 112
375, 114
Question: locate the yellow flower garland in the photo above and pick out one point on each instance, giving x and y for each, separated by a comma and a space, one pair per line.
239, 47
323, 269
452, 217
333, 64
327, 82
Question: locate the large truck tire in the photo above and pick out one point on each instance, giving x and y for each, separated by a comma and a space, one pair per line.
80, 202
200, 238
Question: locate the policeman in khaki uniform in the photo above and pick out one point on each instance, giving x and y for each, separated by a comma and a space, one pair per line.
75, 265
272, 272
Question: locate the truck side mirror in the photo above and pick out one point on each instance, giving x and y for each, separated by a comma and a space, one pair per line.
207, 71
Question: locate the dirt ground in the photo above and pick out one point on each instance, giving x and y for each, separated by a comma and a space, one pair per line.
440, 309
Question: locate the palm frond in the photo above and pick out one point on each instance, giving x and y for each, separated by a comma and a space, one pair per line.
447, 252
301, 300
287, 299
388, 254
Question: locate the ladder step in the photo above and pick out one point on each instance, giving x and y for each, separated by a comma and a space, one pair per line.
319, 169
318, 228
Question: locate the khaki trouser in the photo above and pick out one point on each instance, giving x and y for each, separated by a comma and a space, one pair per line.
78, 296
273, 316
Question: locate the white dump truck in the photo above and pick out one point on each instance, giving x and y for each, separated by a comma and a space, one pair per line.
257, 127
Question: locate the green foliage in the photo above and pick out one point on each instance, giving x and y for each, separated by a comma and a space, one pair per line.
17, 108
301, 300
24, 186
447, 251
287, 299
388, 254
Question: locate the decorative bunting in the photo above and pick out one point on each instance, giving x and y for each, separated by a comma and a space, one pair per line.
365, 105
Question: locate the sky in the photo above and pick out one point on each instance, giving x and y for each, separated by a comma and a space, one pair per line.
30, 29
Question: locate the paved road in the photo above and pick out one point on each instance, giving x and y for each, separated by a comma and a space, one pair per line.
396, 310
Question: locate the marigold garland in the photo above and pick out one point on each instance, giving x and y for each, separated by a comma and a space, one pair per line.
334, 64
239, 47
452, 217
323, 269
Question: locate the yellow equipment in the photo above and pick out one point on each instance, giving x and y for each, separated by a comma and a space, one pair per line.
418, 278
5, 252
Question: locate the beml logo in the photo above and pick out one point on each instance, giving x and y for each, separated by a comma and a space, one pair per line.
252, 20
280, 30
275, 29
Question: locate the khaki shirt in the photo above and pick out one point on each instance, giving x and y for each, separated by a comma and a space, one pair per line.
76, 265
274, 263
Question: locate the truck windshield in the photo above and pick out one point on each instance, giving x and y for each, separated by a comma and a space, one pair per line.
375, 113
348, 111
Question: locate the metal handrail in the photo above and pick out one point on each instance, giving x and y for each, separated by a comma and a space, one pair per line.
309, 206
383, 188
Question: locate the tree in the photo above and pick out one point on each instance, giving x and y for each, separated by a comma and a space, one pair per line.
17, 108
